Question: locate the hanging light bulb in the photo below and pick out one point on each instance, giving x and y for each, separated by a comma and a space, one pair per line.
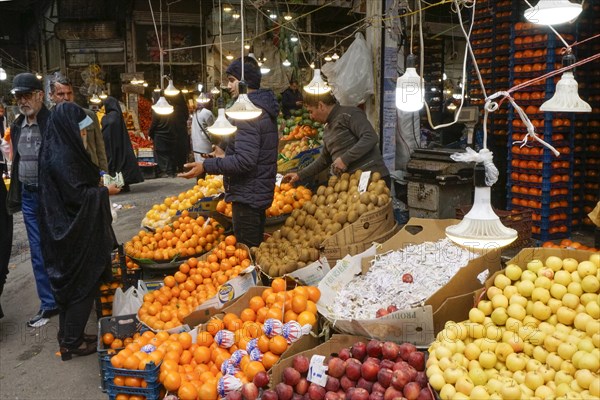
202, 99
162, 106
312, 65
553, 12
185, 90
222, 126
409, 88
317, 85
38, 75
157, 89
227, 8
95, 99
243, 109
247, 46
171, 90
328, 58
566, 98
286, 63
145, 84
3, 75
235, 15
335, 57
293, 38
229, 56
451, 107
481, 227
215, 90
264, 69
103, 95
200, 87
272, 15
288, 17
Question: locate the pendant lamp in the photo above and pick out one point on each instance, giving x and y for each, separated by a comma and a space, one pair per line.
95, 99
3, 75
409, 88
215, 90
553, 12
317, 85
103, 95
481, 227
566, 98
221, 127
162, 106
171, 90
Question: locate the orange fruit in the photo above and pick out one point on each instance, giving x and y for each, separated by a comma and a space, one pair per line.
108, 338
299, 303
133, 381
269, 359
306, 317
172, 381
202, 355
278, 344
131, 362
208, 391
185, 339
119, 380
256, 303
187, 391
122, 396
262, 343
289, 316
314, 294
278, 285
253, 368
248, 315
275, 312
116, 344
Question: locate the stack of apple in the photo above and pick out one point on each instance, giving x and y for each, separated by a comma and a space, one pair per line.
367, 371
537, 335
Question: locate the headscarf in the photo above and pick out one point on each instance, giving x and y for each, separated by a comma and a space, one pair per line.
75, 218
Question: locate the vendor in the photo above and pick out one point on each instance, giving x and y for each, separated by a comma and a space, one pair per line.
350, 142
291, 99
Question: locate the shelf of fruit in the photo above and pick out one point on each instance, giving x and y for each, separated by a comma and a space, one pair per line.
287, 198
206, 189
534, 335
299, 125
292, 149
185, 237
232, 350
331, 208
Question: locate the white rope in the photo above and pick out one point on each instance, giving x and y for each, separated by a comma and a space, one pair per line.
483, 156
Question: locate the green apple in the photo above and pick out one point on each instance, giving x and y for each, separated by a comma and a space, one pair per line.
464, 385
570, 300
546, 272
517, 299
509, 291
595, 258
540, 294
516, 311
480, 392
589, 361
555, 263
562, 277
516, 362
472, 351
447, 392
492, 291
500, 301
513, 272
586, 268
511, 391
519, 376
534, 379
540, 353
586, 344
566, 350
590, 284
485, 306
551, 342
547, 372
554, 304
544, 392
487, 359
565, 315
595, 387
501, 281
568, 367
593, 309
587, 297
528, 275
558, 291
476, 315
562, 377
535, 265
499, 315
570, 264
581, 321
554, 361
525, 287
502, 351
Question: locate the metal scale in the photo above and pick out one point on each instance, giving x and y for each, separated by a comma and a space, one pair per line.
437, 185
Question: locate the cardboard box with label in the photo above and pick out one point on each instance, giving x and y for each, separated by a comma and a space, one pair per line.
417, 324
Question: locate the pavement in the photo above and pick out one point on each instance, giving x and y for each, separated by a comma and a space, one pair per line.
30, 368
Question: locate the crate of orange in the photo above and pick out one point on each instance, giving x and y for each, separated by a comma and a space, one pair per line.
207, 281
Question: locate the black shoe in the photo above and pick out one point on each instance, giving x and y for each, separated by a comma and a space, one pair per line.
85, 349
86, 338
42, 318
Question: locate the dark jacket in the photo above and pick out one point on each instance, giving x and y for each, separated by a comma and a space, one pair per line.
95, 142
13, 204
250, 163
289, 98
349, 135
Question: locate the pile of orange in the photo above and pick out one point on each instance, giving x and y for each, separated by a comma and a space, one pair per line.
568, 244
194, 283
186, 237
287, 198
192, 370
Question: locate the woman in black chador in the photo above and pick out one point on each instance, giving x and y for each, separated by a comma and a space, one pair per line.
75, 226
119, 151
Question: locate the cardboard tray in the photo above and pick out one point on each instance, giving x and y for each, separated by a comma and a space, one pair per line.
417, 325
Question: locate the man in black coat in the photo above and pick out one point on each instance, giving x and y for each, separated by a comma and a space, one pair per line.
249, 163
291, 99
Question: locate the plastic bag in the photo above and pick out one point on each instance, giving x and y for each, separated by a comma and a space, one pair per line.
351, 77
128, 302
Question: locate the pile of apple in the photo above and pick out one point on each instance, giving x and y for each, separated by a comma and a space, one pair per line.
537, 335
367, 371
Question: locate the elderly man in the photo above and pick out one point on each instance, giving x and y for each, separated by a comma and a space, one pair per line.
27, 132
61, 90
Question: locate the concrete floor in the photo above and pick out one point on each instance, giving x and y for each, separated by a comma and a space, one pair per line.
29, 366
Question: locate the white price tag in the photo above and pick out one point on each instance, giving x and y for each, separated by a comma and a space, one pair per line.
363, 183
317, 372
278, 179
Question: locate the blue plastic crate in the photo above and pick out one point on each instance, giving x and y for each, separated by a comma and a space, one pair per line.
151, 392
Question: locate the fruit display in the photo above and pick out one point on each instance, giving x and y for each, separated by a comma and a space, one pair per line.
366, 371
299, 125
235, 348
331, 208
185, 237
536, 335
107, 295
292, 149
568, 244
195, 282
160, 214
287, 198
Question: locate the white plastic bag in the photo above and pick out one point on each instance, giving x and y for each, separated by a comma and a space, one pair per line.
351, 77
128, 302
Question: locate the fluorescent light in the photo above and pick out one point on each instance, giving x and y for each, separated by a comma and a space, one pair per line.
235, 15
157, 89
409, 88
247, 46
317, 85
171, 90
200, 87
273, 16
222, 126
162, 107
553, 12
227, 8
185, 90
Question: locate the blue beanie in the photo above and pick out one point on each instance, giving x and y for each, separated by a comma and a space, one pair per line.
252, 75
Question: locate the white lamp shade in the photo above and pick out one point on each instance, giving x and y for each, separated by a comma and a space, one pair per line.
162, 107
286, 63
553, 12
95, 99
243, 109
481, 227
2, 74
222, 126
103, 95
171, 90
409, 91
317, 85
566, 98
264, 70
215, 90
202, 99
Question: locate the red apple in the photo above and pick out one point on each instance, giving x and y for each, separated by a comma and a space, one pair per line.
365, 384
344, 354
301, 364
405, 349
425, 394
374, 348
297, 396
332, 396
389, 350
353, 369
407, 278
417, 360
378, 387
235, 395
316, 392
392, 393
349, 393
269, 394
389, 364
392, 308
373, 360
359, 350
302, 386
421, 379
369, 371
384, 377
284, 392
261, 379
376, 396
291, 376
336, 367
411, 390
249, 391
333, 384
381, 312
400, 365
360, 394
346, 383
400, 378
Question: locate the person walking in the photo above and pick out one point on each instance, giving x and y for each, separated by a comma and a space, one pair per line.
165, 144
119, 150
61, 90
202, 118
76, 213
27, 133
350, 142
178, 128
249, 162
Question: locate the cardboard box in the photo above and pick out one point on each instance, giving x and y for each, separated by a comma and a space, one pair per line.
333, 345
417, 324
312, 274
299, 162
205, 204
